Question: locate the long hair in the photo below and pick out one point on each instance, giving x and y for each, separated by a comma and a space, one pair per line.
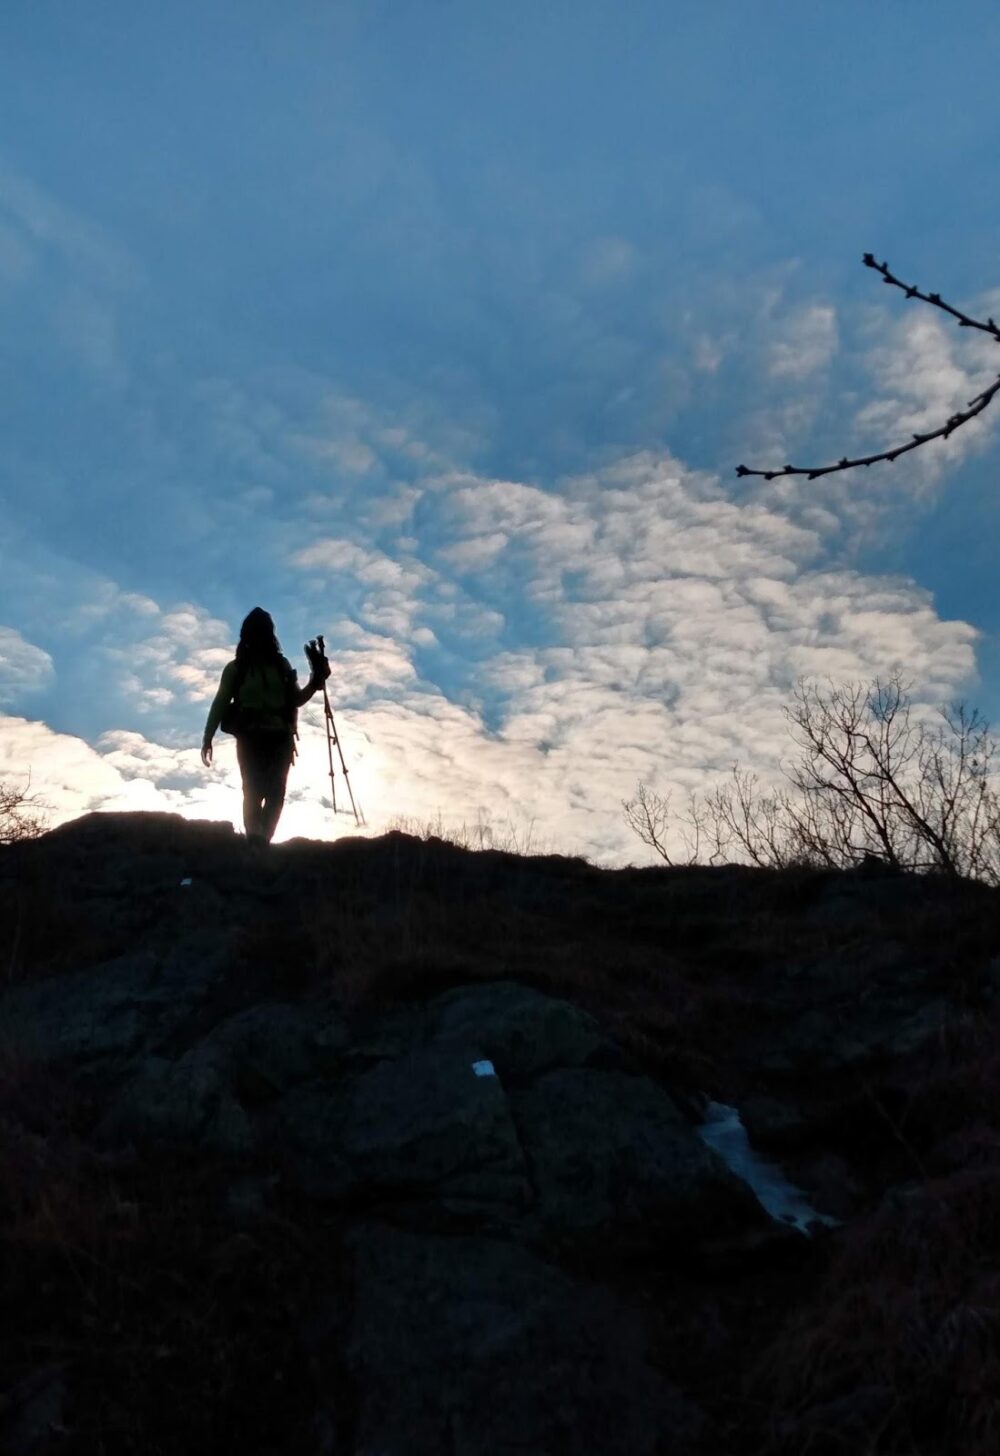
258, 639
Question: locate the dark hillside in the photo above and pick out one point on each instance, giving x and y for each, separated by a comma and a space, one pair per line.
386, 1146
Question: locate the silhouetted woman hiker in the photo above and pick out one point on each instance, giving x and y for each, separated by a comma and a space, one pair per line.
258, 699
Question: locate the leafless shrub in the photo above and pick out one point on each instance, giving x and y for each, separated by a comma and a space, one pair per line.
649, 815
21, 813
756, 823
873, 779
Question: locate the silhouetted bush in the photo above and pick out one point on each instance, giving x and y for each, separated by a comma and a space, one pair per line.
21, 814
875, 782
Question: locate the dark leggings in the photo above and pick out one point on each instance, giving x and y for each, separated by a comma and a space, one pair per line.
264, 763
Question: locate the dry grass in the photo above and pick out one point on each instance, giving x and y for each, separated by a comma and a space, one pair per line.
179, 1329
482, 833
900, 1351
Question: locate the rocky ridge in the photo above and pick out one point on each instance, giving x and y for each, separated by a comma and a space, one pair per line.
388, 1147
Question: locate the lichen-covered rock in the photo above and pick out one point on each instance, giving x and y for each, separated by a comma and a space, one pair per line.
582, 1156
109, 1012
429, 1120
420, 1126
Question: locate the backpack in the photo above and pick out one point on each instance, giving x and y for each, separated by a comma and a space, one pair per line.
263, 699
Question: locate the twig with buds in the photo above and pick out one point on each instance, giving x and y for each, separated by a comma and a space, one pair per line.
962, 417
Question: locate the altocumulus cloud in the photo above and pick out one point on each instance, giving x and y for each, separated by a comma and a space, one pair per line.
674, 623
681, 622
913, 370
925, 371
524, 654
24, 668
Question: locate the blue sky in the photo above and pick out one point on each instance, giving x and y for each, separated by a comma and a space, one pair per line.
440, 328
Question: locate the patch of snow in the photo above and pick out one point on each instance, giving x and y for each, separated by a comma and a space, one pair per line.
723, 1131
186, 882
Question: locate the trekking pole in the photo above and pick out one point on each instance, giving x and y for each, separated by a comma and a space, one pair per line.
331, 734
332, 738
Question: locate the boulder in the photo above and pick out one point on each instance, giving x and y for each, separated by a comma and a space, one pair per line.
615, 1165
108, 1013
268, 1048
475, 1346
304, 1133
833, 1041
580, 1157
185, 1103
523, 1032
423, 1126
431, 1120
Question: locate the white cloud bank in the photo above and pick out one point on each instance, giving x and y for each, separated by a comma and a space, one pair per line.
668, 625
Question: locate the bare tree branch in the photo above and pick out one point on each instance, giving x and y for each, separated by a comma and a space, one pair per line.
954, 422
21, 815
912, 291
648, 814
